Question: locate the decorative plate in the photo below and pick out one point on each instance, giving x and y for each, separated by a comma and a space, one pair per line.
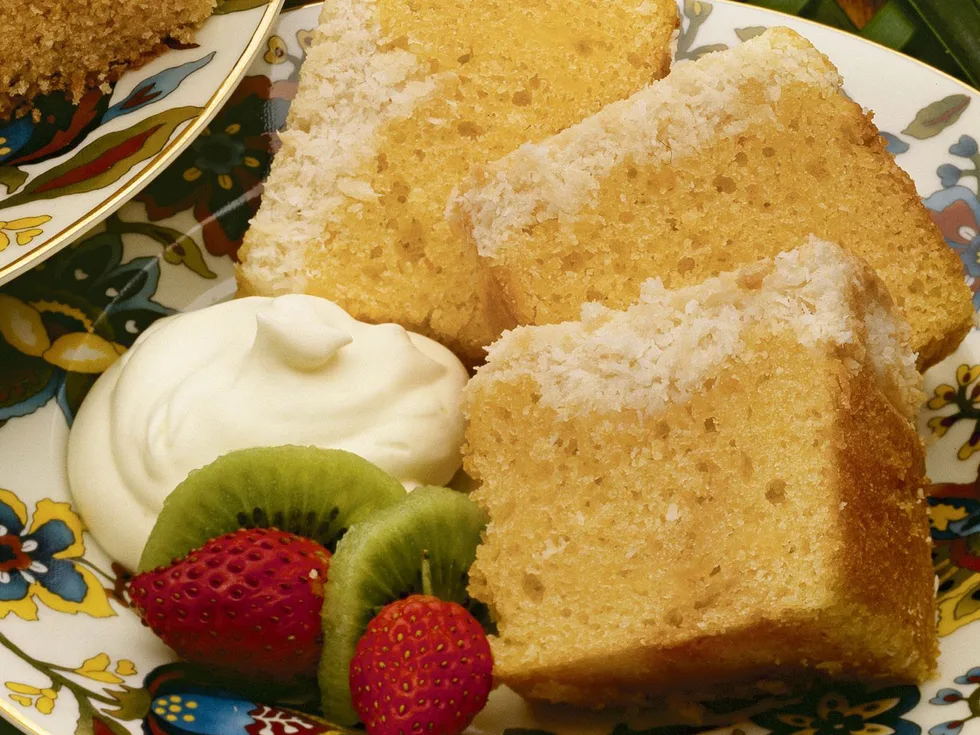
64, 168
74, 659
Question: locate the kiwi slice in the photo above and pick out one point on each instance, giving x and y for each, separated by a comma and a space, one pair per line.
312, 492
380, 561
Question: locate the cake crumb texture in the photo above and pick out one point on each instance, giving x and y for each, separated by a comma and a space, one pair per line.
397, 101
736, 156
743, 512
52, 45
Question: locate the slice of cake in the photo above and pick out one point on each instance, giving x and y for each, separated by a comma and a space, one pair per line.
52, 45
731, 158
712, 491
397, 101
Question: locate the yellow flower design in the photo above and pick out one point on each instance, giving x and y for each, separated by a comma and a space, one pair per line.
42, 699
944, 396
130, 704
969, 448
276, 50
22, 327
97, 668
174, 708
940, 425
23, 230
40, 562
964, 396
305, 39
966, 374
940, 516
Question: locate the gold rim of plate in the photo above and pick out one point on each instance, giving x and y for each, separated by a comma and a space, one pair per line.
17, 720
12, 715
170, 151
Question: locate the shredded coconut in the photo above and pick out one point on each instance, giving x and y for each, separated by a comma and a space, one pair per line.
348, 92
672, 118
663, 348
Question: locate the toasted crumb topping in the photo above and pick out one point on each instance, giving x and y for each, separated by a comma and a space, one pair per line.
53, 45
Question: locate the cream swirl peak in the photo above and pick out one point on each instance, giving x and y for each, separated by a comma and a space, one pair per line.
258, 372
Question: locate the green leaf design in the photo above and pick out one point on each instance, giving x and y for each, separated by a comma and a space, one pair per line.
697, 9
77, 386
133, 703
185, 251
85, 713
105, 160
234, 6
932, 119
744, 34
696, 12
178, 248
12, 178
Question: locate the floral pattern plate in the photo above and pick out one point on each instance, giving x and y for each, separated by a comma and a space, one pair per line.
75, 659
66, 167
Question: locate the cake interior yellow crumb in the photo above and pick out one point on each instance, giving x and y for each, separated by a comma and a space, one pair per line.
504, 73
686, 500
772, 157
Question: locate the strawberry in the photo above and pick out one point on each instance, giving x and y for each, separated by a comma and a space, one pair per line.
246, 604
423, 666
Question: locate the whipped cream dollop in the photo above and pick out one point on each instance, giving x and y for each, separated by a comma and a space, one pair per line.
257, 372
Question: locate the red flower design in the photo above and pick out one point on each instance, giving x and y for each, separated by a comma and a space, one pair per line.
219, 177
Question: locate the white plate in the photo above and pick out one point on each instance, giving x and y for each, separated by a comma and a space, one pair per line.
64, 662
64, 168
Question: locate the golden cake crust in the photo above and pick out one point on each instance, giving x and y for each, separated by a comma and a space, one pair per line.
731, 158
396, 102
763, 528
875, 451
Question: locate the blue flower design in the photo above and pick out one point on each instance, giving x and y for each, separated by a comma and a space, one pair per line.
39, 560
187, 701
947, 696
953, 696
947, 728
949, 174
896, 146
970, 677
965, 147
65, 322
846, 710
